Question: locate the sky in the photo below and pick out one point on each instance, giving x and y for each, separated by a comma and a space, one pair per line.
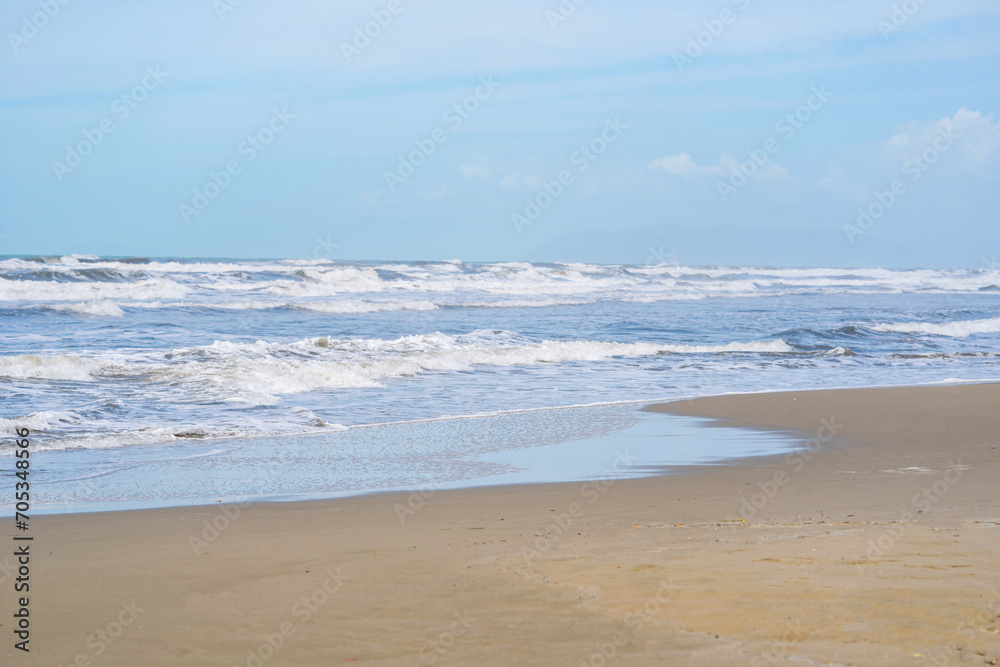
438, 129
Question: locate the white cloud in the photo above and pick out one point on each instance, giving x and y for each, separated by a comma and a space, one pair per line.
519, 181
955, 159
839, 183
475, 171
768, 172
975, 135
435, 192
682, 165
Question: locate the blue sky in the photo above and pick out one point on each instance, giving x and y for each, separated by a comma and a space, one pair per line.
246, 129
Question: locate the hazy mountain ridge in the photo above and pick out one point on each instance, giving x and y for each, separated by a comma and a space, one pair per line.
731, 245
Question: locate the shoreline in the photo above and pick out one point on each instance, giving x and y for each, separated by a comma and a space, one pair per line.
834, 556
546, 447
650, 466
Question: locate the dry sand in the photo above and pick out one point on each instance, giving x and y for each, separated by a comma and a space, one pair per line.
881, 547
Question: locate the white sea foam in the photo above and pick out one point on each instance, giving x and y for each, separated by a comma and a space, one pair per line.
656, 298
40, 421
345, 307
69, 430
523, 303
965, 381
102, 308
348, 307
51, 367
260, 372
108, 308
113, 439
37, 290
959, 329
305, 283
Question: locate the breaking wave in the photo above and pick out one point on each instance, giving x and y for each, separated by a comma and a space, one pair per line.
959, 329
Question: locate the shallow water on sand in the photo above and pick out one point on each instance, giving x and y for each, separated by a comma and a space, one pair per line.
565, 445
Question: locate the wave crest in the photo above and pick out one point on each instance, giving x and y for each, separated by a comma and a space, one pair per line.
960, 329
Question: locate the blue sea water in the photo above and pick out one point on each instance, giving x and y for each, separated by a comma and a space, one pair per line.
156, 379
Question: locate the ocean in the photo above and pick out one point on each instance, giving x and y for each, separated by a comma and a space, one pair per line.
162, 381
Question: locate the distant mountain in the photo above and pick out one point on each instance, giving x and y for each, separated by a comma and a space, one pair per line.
731, 246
